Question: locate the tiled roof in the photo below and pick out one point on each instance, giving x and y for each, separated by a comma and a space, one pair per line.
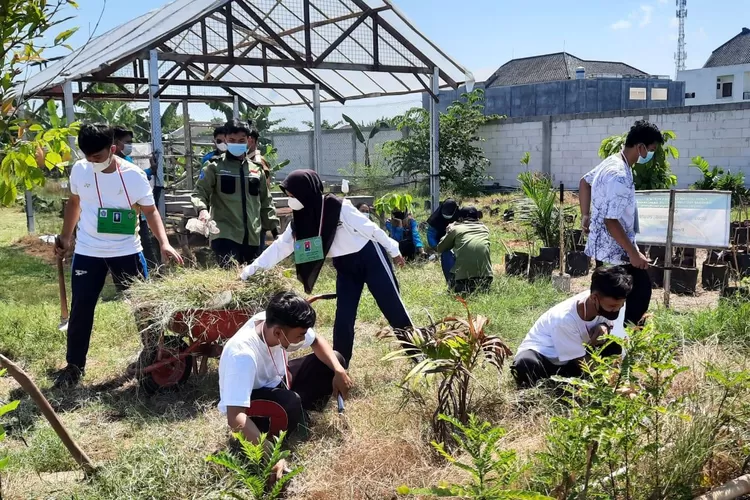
735, 51
554, 67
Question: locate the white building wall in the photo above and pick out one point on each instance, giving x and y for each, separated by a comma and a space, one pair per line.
703, 82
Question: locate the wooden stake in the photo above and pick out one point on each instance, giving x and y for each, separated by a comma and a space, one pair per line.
668, 249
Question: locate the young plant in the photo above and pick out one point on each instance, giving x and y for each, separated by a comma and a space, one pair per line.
386, 204
525, 159
450, 350
540, 210
492, 469
382, 125
255, 467
6, 408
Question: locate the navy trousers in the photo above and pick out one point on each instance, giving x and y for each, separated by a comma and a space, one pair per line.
87, 280
370, 266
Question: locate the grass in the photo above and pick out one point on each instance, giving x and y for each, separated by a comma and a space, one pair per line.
154, 447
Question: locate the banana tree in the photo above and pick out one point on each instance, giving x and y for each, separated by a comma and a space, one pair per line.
361, 137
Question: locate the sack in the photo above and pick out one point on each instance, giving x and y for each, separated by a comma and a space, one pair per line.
202, 227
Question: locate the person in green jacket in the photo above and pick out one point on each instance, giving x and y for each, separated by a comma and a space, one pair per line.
232, 190
470, 241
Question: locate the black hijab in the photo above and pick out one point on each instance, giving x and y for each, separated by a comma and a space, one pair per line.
307, 187
437, 220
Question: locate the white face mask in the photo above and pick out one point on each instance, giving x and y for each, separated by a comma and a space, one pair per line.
222, 146
127, 149
295, 204
101, 166
293, 347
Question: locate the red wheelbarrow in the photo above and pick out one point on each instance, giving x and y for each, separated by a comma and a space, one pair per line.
193, 334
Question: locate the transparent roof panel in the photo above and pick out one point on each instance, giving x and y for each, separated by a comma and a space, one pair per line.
268, 52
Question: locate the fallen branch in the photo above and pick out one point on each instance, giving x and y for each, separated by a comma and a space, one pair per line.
32, 390
732, 489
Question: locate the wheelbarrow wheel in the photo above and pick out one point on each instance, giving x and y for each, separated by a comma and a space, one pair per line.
169, 376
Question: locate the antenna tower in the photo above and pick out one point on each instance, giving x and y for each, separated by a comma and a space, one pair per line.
681, 56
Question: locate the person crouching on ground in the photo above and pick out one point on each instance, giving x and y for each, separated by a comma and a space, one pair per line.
106, 195
260, 388
469, 240
437, 226
326, 226
403, 228
556, 344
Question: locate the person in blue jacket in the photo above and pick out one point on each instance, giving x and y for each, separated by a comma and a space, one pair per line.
445, 214
404, 229
220, 144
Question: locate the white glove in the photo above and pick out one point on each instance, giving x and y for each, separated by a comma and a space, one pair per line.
203, 215
204, 227
247, 271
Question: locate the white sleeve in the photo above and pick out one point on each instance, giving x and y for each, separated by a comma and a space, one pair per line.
361, 224
75, 172
567, 340
236, 380
273, 254
139, 189
309, 338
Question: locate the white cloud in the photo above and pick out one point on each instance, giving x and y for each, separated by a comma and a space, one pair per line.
663, 2
622, 24
645, 15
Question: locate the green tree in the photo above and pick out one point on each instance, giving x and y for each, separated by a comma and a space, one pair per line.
463, 165
655, 174
257, 117
324, 125
376, 128
26, 147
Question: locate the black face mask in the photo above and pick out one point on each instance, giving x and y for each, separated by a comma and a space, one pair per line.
610, 315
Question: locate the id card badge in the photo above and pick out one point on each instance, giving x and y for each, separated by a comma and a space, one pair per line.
116, 221
308, 250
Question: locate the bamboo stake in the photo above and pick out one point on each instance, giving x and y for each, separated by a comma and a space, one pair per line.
730, 490
32, 390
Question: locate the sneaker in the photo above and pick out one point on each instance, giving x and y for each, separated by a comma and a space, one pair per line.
69, 376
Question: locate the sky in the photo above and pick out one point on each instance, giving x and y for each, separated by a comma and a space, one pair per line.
484, 34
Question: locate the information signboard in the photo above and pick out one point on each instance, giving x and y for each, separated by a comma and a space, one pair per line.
701, 218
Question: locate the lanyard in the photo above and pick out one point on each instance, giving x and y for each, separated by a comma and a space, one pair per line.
322, 211
630, 172
96, 181
285, 378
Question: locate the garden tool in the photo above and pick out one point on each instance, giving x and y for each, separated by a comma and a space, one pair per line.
561, 282
342, 422
63, 326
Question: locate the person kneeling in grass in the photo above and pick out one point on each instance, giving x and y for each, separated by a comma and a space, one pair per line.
556, 344
470, 241
261, 390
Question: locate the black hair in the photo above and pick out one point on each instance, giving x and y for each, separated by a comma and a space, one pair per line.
236, 126
119, 132
644, 132
220, 130
361, 204
94, 138
291, 310
613, 282
254, 133
469, 213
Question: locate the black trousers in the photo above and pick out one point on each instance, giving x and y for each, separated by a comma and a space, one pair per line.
639, 299
471, 285
150, 246
227, 250
370, 266
312, 386
87, 280
529, 367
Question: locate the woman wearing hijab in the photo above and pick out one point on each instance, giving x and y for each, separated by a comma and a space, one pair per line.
438, 223
326, 226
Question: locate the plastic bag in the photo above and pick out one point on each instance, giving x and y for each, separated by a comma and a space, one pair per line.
202, 227
344, 186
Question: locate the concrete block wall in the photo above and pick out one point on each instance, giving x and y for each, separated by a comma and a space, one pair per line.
719, 133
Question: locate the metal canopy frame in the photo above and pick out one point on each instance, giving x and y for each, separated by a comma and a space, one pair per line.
261, 52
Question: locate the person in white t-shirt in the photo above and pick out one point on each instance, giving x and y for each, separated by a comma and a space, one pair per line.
107, 192
557, 342
261, 390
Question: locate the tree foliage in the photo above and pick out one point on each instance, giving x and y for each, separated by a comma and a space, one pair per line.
27, 147
359, 133
258, 117
463, 165
718, 179
656, 174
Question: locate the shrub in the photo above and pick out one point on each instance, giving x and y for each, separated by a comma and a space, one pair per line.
655, 174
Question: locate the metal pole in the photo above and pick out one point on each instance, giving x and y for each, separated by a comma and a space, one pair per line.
29, 206
69, 106
236, 108
434, 142
188, 144
317, 137
156, 144
668, 248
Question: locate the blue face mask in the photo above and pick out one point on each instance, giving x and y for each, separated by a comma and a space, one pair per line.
649, 155
237, 149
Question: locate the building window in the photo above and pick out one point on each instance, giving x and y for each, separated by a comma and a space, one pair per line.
726, 89
724, 86
658, 94
637, 94
689, 95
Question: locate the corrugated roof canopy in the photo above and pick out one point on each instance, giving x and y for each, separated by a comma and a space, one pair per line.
267, 52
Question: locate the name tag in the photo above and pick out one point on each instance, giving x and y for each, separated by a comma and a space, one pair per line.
308, 250
116, 221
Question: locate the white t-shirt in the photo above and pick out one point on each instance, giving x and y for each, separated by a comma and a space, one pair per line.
560, 333
83, 183
247, 364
